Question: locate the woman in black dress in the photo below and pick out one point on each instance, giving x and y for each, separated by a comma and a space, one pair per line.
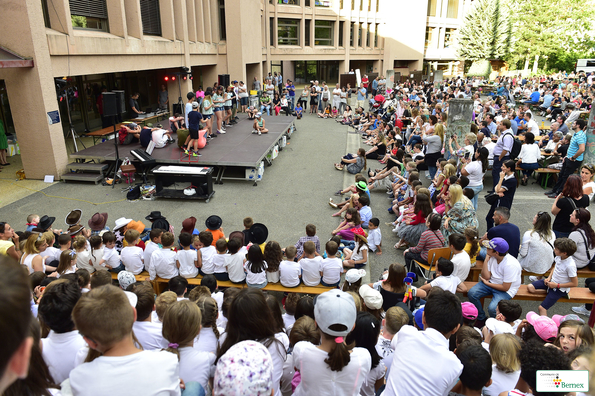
505, 188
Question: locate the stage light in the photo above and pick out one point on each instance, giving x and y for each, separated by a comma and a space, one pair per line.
173, 78
184, 78
191, 76
166, 78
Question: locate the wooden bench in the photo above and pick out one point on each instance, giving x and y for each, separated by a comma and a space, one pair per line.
547, 172
476, 271
576, 295
101, 133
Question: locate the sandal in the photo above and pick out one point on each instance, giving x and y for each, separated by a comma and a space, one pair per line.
332, 204
336, 214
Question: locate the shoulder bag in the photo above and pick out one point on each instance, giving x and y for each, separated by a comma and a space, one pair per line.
591, 264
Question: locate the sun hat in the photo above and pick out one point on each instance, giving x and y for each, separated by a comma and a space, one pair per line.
372, 297
188, 224
353, 275
97, 222
362, 185
258, 233
359, 232
137, 225
246, 369
418, 315
498, 327
126, 278
213, 222
121, 222
559, 319
73, 217
544, 326
469, 310
335, 307
497, 244
238, 235
75, 229
45, 222
154, 215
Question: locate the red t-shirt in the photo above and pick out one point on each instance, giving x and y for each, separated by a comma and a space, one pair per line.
365, 82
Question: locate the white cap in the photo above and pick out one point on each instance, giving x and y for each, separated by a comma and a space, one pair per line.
335, 307
498, 327
372, 297
353, 275
258, 114
132, 298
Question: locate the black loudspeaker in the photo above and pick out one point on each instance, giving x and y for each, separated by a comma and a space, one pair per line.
224, 80
120, 102
177, 108
109, 104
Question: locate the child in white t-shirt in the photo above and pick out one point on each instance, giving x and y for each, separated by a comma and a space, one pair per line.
507, 320
79, 244
111, 257
374, 236
147, 333
96, 253
181, 325
394, 319
186, 258
50, 253
444, 278
208, 338
255, 267
234, 263
331, 267
105, 317
207, 251
163, 261
290, 272
310, 265
132, 256
220, 260
67, 264
153, 245
460, 258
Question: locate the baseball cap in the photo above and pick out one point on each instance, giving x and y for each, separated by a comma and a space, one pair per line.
353, 275
195, 105
417, 316
497, 244
126, 278
132, 298
335, 307
498, 327
246, 369
372, 297
469, 310
258, 114
559, 319
544, 326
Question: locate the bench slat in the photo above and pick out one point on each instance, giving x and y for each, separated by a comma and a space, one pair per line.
476, 271
577, 294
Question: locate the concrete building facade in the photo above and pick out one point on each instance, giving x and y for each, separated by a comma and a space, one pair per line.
133, 45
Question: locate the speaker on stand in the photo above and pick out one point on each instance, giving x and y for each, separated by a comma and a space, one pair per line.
224, 80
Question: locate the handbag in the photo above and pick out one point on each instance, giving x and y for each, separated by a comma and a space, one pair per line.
492, 198
591, 264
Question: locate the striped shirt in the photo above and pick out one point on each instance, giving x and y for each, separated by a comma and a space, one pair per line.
300, 244
429, 240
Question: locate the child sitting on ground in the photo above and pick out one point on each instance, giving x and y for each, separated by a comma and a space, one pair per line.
374, 236
132, 256
163, 261
331, 267
310, 236
105, 317
299, 110
444, 278
290, 272
562, 277
310, 265
358, 257
186, 258
220, 260
506, 321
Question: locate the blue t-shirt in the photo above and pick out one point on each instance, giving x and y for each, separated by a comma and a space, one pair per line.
298, 109
514, 126
547, 100
374, 84
361, 94
291, 91
578, 138
508, 232
194, 118
534, 97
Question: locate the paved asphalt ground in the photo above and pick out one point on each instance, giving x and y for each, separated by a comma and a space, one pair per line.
294, 192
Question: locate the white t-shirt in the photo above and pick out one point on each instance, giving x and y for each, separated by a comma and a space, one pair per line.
448, 283
592, 185
220, 262
501, 381
207, 341
111, 257
96, 255
462, 263
331, 269
159, 138
147, 373
563, 271
385, 351
149, 335
356, 256
475, 170
188, 108
235, 265
530, 153
278, 351
319, 379
196, 366
508, 271
311, 270
255, 278
150, 247
82, 261
375, 374
163, 264
532, 127
51, 253
59, 352
207, 259
289, 273
374, 239
288, 321
132, 258
187, 259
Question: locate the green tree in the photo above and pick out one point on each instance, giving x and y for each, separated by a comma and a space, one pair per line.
485, 33
78, 21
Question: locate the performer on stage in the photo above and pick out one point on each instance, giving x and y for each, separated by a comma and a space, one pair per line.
258, 125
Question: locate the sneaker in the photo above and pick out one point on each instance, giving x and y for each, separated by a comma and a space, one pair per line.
228, 125
581, 310
535, 278
186, 152
254, 131
338, 193
259, 133
195, 154
221, 132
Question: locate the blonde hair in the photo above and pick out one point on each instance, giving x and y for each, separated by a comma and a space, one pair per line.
49, 237
449, 170
210, 311
394, 319
471, 137
181, 325
79, 242
504, 349
33, 243
358, 300
423, 190
439, 130
163, 302
104, 315
455, 193
198, 292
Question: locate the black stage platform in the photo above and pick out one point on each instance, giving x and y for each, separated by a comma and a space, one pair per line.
230, 153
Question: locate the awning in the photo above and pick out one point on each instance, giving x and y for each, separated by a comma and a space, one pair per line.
11, 59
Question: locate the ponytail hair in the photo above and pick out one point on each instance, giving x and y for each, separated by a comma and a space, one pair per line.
66, 258
339, 355
95, 242
471, 234
181, 325
209, 312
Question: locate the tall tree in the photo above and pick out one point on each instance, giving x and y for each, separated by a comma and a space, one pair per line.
485, 33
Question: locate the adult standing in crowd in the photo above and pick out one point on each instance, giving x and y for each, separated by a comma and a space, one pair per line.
475, 170
270, 88
574, 157
537, 248
505, 189
502, 150
134, 107
163, 98
571, 198
243, 95
433, 139
291, 94
337, 97
256, 85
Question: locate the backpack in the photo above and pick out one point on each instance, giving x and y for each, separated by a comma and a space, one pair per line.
516, 146
133, 194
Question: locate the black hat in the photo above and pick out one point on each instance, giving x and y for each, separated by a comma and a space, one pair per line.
154, 215
160, 223
44, 223
213, 222
259, 233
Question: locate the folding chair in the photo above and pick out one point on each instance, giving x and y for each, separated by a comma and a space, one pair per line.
433, 256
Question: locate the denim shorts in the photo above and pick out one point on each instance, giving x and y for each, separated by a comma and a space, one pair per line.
218, 108
244, 101
207, 116
552, 295
227, 107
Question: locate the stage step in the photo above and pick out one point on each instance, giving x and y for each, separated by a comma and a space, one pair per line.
84, 177
88, 166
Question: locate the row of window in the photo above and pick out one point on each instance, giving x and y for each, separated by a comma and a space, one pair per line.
327, 3
288, 33
448, 37
452, 8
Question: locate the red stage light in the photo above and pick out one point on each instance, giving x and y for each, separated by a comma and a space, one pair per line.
173, 78
166, 78
184, 78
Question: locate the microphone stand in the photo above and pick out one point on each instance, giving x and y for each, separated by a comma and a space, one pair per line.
117, 153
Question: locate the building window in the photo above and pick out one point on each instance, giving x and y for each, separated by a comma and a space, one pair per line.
361, 5
89, 14
368, 34
307, 32
429, 32
359, 35
369, 5
289, 2
323, 33
452, 10
288, 31
376, 36
432, 7
341, 30
351, 31
149, 11
323, 3
272, 32
352, 5
377, 5
448, 37
46, 14
307, 3
222, 29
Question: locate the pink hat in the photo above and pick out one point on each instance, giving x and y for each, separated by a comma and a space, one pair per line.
544, 326
469, 310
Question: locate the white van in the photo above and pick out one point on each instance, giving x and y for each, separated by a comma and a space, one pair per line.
585, 65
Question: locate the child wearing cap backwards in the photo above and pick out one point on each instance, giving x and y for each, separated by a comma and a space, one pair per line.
163, 261
506, 321
331, 368
310, 265
353, 280
148, 333
441, 319
290, 272
213, 224
444, 278
562, 277
186, 259
331, 267
104, 317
